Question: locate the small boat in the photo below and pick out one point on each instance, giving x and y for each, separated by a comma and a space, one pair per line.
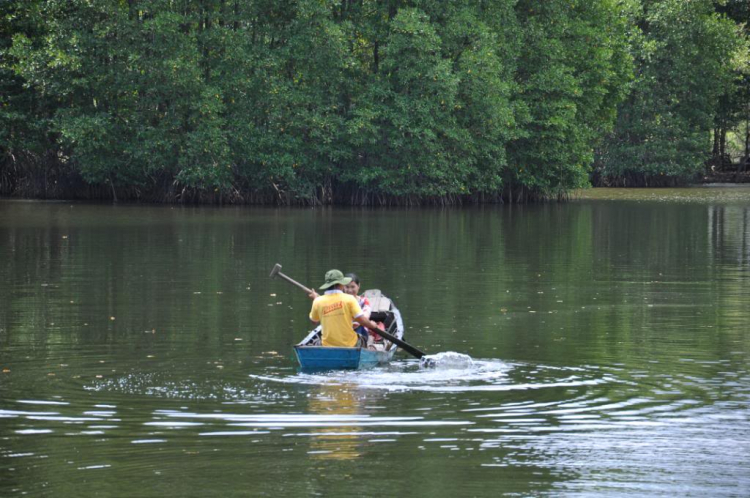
312, 356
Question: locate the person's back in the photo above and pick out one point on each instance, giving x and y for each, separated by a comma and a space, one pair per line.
335, 311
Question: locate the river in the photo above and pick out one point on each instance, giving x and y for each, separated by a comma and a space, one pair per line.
145, 352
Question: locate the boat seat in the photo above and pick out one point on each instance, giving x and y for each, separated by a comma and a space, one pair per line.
378, 302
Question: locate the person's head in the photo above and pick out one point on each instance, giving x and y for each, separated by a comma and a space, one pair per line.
353, 286
335, 280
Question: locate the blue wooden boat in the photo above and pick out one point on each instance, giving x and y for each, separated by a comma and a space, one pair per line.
312, 356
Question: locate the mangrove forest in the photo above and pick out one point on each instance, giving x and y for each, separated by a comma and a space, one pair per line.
367, 101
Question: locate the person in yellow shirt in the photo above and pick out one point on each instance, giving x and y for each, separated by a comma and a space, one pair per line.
336, 311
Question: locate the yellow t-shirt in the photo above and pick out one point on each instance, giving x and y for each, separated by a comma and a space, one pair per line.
336, 311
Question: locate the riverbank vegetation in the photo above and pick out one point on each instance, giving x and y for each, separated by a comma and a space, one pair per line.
364, 102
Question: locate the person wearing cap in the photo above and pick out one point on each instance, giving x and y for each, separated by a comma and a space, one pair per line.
336, 310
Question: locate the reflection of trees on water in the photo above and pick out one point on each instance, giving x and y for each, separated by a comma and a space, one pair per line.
728, 259
729, 234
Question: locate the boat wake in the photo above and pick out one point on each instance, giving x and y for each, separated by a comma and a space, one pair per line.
449, 360
434, 372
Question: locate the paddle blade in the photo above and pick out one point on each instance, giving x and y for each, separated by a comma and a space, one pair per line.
276, 269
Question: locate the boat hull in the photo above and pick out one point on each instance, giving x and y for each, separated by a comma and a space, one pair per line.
332, 358
312, 356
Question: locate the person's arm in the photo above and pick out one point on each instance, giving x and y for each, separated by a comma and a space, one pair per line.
358, 315
366, 309
314, 315
313, 295
366, 322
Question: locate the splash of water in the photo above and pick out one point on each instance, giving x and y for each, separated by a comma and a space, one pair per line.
449, 360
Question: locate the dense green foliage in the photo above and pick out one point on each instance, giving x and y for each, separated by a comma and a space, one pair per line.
349, 101
734, 105
684, 67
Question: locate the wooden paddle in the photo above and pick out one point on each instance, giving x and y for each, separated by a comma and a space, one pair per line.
395, 340
403, 345
277, 272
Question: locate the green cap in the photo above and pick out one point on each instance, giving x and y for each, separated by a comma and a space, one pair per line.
334, 277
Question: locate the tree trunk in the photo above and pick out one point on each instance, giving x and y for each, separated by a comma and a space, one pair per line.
715, 151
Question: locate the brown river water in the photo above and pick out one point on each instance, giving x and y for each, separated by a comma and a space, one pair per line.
145, 352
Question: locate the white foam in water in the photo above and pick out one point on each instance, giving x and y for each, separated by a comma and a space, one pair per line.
448, 361
453, 371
